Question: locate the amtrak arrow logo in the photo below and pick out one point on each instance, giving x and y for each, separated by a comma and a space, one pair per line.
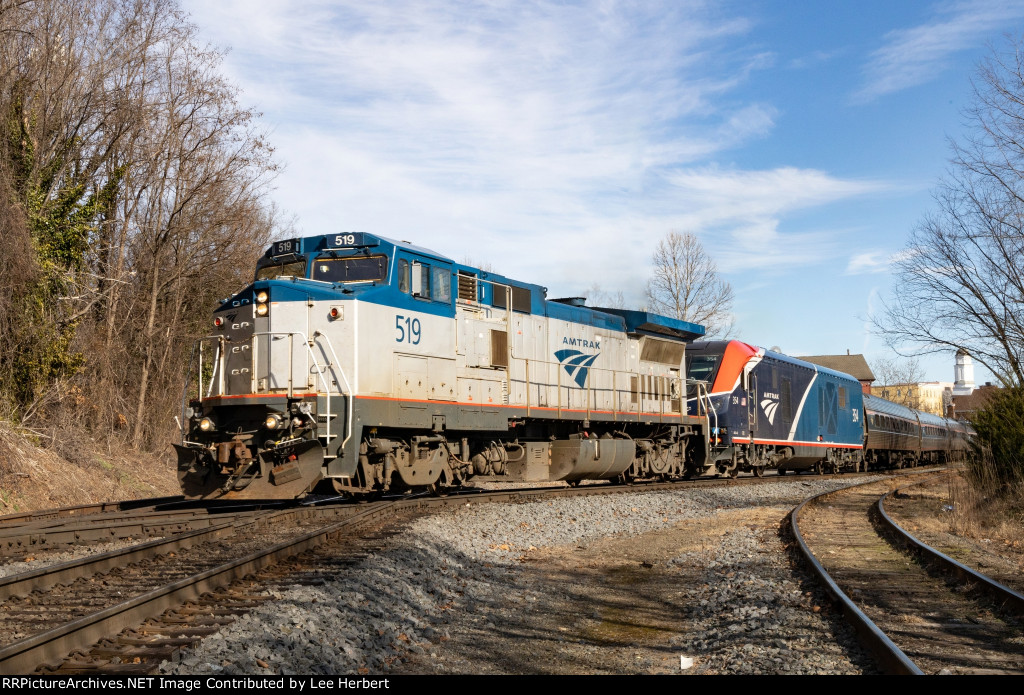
576, 364
769, 406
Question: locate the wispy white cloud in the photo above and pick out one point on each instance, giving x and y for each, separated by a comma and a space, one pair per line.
556, 141
916, 55
869, 262
741, 211
813, 59
879, 261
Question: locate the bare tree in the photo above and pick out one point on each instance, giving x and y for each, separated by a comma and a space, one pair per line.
132, 194
685, 284
898, 379
599, 297
960, 280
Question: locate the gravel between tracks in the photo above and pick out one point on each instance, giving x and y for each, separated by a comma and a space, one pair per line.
543, 587
51, 556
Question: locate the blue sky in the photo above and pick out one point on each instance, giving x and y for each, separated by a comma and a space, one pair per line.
559, 141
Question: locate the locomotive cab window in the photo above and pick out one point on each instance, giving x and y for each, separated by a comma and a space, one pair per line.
442, 284
403, 275
293, 269
701, 367
352, 269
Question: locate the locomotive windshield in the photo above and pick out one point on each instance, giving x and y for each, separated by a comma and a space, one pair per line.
354, 269
702, 367
294, 269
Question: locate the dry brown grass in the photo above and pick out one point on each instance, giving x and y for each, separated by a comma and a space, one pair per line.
979, 512
36, 477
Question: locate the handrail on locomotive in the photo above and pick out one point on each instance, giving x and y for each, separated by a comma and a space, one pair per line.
219, 370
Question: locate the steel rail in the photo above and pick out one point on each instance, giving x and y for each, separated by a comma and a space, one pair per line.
63, 573
17, 518
66, 572
25, 655
1009, 600
177, 516
890, 657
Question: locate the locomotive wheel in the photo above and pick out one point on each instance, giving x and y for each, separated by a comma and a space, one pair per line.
438, 490
758, 471
818, 470
361, 497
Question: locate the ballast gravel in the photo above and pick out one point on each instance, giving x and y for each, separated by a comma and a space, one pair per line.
51, 556
448, 594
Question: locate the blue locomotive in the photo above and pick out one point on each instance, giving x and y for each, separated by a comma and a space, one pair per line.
768, 410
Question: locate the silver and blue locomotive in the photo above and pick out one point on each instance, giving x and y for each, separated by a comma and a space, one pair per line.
370, 365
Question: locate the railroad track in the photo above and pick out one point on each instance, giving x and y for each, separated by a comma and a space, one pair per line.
915, 615
39, 532
128, 610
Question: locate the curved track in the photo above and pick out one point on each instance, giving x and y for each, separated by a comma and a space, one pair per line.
914, 620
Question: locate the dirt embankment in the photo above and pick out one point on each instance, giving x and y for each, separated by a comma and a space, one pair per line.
33, 477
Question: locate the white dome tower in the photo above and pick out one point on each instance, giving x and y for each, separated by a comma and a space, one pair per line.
964, 385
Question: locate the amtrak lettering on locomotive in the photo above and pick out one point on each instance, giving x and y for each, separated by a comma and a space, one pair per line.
373, 365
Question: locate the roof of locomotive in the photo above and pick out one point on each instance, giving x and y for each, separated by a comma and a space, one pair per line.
721, 345
629, 321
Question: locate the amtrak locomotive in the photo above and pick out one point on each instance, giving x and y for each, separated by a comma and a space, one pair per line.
372, 365
368, 365
769, 410
774, 411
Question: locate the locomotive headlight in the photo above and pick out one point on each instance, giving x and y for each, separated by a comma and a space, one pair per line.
218, 322
262, 309
262, 296
272, 422
206, 424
